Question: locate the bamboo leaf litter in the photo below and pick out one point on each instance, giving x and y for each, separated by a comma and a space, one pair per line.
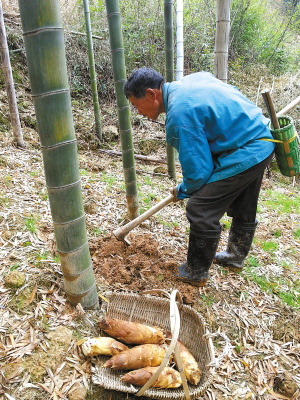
252, 315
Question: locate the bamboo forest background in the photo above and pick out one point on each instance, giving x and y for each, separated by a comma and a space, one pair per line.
264, 32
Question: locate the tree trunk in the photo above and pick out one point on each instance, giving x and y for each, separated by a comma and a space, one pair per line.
169, 51
92, 69
180, 52
222, 40
45, 53
9, 84
119, 73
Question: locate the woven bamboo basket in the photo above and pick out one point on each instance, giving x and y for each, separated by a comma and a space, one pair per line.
155, 311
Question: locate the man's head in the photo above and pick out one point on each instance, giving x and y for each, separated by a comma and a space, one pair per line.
144, 91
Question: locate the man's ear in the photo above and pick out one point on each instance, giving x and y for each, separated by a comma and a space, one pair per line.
150, 92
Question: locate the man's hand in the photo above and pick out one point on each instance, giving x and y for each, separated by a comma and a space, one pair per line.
174, 192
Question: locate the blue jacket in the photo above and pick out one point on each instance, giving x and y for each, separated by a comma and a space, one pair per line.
215, 130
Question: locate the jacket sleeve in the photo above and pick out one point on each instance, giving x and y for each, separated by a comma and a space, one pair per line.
194, 156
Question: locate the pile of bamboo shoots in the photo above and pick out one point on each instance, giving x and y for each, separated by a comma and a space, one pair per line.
144, 357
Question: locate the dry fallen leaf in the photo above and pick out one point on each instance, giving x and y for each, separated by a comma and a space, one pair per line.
33, 294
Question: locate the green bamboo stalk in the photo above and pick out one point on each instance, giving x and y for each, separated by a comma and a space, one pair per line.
169, 55
222, 40
119, 73
92, 68
179, 41
9, 84
45, 52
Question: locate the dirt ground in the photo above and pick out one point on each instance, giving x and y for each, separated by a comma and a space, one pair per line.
141, 266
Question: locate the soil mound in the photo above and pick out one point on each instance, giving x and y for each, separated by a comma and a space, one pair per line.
143, 265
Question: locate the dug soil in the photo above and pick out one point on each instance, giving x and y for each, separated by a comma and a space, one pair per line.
143, 265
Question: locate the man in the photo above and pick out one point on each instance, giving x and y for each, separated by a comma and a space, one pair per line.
217, 133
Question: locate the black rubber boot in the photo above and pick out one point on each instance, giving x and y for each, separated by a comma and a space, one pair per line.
201, 252
241, 235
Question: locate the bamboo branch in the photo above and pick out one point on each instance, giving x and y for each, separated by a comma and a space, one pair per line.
143, 172
137, 156
258, 91
280, 39
83, 34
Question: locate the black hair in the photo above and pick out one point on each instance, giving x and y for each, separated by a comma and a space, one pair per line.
140, 80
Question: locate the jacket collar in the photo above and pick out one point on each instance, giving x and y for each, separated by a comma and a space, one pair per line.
165, 93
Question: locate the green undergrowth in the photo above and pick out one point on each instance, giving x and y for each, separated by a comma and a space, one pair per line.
262, 32
31, 224
285, 286
280, 248
147, 201
296, 233
281, 203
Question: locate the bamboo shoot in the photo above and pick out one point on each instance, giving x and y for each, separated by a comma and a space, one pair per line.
131, 332
167, 379
146, 355
105, 346
190, 365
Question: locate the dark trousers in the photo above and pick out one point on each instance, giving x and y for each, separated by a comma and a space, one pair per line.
236, 195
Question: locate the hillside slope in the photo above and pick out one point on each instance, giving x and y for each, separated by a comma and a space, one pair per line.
253, 315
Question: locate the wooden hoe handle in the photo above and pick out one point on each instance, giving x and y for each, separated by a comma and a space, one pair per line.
270, 107
122, 231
